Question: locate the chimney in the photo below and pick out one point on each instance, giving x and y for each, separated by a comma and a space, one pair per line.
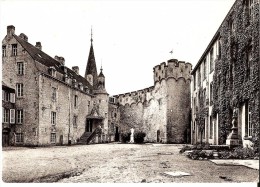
60, 59
38, 45
75, 69
10, 31
24, 37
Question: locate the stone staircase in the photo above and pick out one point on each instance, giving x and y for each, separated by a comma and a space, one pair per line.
87, 137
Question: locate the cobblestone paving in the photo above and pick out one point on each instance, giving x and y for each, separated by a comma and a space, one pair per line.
116, 163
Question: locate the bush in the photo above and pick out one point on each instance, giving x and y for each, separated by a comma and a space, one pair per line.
139, 137
200, 155
125, 137
185, 148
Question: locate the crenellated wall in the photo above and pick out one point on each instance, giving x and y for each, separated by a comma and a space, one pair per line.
161, 111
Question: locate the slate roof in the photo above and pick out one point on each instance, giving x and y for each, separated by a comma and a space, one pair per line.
48, 61
101, 74
91, 65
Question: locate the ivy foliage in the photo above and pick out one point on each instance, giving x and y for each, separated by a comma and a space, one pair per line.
236, 77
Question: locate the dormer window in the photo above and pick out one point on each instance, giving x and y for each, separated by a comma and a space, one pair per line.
74, 81
86, 89
52, 71
80, 86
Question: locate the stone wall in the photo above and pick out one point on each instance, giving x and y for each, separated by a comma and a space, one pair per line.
29, 101
65, 111
178, 110
163, 110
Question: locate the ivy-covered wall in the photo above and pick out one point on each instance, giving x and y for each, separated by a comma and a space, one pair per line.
236, 77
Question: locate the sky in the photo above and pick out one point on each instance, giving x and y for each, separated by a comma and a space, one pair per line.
129, 37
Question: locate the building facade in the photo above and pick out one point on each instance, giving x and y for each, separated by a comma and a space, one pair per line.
225, 81
8, 116
161, 111
54, 104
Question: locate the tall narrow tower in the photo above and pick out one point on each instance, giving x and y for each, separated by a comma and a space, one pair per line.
91, 69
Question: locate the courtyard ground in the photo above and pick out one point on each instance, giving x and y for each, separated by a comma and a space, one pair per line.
102, 163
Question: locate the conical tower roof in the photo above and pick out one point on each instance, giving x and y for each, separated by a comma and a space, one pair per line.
101, 73
91, 64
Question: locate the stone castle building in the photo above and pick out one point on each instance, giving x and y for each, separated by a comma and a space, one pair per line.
161, 111
46, 103
53, 104
225, 81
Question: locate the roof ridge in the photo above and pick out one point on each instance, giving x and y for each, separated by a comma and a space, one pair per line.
47, 60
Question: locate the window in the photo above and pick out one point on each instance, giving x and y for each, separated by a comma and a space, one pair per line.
115, 115
205, 69
75, 121
54, 94
211, 59
88, 103
250, 6
4, 51
20, 116
199, 77
53, 118
248, 122
250, 127
53, 137
210, 128
75, 101
12, 116
99, 100
211, 93
12, 97
19, 89
20, 68
231, 26
14, 49
19, 137
5, 115
112, 99
219, 48
6, 96
204, 94
203, 130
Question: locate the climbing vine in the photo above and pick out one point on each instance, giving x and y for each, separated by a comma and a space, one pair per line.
236, 77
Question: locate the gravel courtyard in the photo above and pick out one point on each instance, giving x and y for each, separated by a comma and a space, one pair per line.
102, 163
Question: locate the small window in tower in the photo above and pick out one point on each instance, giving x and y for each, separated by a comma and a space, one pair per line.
4, 51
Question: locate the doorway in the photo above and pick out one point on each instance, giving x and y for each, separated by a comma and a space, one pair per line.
61, 139
5, 139
158, 135
89, 125
117, 135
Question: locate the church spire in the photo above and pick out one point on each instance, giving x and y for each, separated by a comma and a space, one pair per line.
91, 69
91, 36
